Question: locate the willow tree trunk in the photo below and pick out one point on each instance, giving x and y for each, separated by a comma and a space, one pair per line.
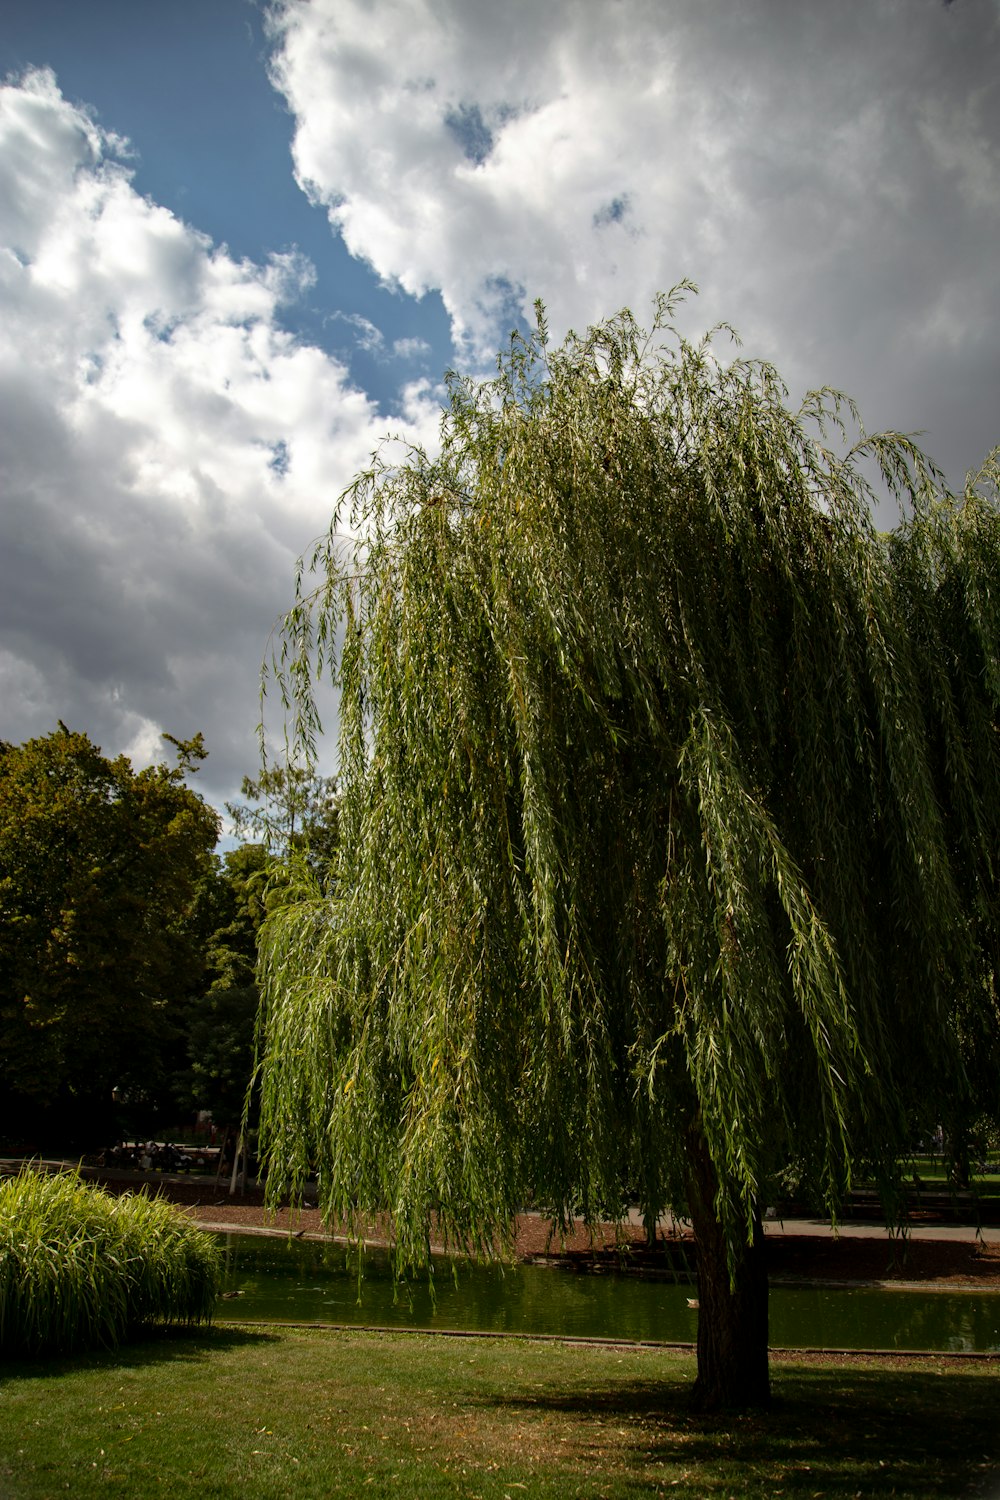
732, 1300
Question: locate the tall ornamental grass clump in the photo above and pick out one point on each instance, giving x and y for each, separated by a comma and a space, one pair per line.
79, 1268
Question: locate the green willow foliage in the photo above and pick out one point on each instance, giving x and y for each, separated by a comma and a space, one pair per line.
668, 801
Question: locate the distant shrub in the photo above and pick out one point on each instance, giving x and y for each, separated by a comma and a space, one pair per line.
80, 1269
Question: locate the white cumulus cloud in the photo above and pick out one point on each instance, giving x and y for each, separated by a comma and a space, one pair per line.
166, 449
829, 174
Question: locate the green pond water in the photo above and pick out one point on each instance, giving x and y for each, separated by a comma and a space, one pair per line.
300, 1281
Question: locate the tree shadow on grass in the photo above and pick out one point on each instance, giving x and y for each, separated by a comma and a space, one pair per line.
167, 1345
836, 1433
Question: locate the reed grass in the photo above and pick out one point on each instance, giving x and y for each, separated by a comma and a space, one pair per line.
80, 1269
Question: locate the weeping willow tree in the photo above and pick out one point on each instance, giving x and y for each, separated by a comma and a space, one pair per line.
669, 801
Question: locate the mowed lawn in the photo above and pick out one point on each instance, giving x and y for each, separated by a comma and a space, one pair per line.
315, 1413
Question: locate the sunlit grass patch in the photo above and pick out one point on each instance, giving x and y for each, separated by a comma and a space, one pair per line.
81, 1269
307, 1414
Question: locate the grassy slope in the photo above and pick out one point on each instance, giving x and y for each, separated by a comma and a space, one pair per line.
313, 1414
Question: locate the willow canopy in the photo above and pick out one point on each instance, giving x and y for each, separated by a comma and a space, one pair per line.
668, 806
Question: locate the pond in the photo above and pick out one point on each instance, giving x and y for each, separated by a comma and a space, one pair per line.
302, 1281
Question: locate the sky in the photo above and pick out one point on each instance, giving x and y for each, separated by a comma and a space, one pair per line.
241, 242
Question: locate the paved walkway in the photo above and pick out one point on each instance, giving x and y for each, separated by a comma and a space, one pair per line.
820, 1228
868, 1229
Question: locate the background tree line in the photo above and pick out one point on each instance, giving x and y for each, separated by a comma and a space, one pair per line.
128, 946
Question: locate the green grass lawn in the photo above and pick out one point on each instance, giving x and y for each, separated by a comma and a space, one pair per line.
310, 1413
933, 1172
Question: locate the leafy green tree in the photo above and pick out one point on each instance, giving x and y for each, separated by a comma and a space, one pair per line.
669, 806
947, 580
290, 814
220, 1031
289, 808
99, 867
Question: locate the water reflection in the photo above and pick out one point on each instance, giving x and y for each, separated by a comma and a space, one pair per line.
277, 1279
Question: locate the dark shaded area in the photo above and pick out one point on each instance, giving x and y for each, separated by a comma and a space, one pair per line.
838, 1433
157, 1346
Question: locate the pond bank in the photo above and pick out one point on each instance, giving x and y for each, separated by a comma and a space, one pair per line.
796, 1253
942, 1254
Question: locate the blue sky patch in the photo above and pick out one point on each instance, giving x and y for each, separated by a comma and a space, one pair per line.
471, 131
